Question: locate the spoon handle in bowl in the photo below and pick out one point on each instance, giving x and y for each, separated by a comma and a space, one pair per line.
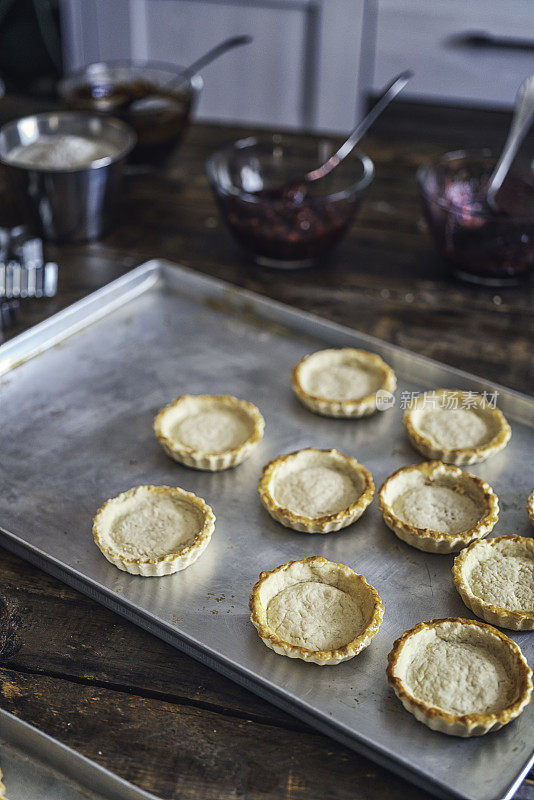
523, 116
391, 91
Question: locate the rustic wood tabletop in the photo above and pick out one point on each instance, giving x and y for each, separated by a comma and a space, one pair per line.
114, 692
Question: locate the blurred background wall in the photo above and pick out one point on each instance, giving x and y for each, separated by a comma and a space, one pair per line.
313, 63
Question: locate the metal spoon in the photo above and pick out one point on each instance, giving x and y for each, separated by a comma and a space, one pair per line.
521, 122
294, 188
211, 55
176, 83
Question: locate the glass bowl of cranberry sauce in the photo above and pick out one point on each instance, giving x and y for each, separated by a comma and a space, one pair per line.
280, 227
483, 245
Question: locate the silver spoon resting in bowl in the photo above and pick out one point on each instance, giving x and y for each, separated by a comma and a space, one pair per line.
521, 122
176, 83
295, 188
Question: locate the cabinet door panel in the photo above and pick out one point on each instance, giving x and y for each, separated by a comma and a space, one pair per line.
95, 30
301, 70
433, 39
263, 82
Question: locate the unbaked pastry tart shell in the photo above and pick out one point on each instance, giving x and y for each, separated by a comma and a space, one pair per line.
188, 405
325, 573
348, 407
218, 460
274, 471
476, 635
158, 565
530, 506
437, 474
502, 615
429, 446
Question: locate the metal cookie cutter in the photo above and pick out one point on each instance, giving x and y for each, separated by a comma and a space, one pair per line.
23, 272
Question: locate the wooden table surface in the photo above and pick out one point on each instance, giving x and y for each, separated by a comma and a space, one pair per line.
119, 695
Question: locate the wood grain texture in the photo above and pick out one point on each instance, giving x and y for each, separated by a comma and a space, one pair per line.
184, 752
115, 693
155, 716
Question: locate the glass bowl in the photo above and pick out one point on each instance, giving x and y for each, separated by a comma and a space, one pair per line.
286, 230
141, 94
493, 248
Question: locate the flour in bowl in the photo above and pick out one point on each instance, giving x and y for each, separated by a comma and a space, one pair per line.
63, 151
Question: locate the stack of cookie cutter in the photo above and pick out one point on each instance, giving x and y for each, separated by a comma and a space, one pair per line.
23, 272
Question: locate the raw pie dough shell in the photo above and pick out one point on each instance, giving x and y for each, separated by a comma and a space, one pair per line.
247, 431
329, 611
318, 377
530, 506
447, 435
124, 516
417, 494
276, 482
433, 666
489, 577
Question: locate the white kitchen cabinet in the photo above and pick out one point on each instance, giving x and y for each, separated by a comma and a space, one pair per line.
435, 39
302, 69
313, 62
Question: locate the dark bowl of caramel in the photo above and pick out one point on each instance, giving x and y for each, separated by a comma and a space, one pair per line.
488, 245
286, 229
152, 97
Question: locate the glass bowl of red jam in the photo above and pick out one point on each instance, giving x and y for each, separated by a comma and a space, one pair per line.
484, 245
281, 227
150, 96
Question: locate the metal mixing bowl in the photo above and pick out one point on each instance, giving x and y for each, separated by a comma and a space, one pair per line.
67, 204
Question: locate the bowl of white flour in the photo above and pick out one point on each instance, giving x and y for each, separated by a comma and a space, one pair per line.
65, 170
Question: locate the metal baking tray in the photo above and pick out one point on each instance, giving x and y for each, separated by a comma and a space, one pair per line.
36, 766
78, 396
